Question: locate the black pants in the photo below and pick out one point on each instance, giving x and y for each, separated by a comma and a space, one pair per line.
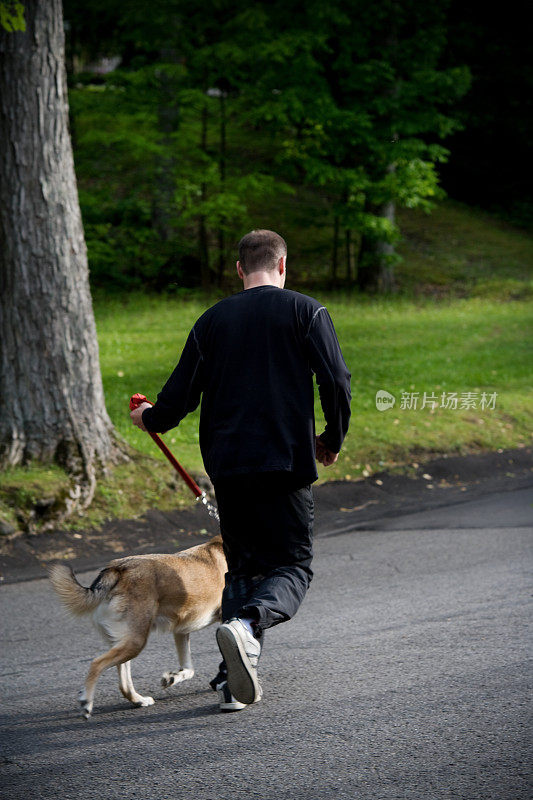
266, 521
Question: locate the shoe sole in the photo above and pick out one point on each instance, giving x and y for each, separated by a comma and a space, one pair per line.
228, 708
242, 678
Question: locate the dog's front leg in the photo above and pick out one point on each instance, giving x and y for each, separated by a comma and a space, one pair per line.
186, 671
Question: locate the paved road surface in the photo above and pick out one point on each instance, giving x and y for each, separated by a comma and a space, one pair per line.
404, 675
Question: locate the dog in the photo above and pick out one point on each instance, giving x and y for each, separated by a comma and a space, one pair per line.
178, 592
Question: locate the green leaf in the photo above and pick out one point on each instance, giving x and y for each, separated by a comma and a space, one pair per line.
12, 16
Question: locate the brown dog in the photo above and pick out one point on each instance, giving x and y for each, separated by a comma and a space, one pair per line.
178, 592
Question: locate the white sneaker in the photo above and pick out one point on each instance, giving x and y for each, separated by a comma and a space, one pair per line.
240, 650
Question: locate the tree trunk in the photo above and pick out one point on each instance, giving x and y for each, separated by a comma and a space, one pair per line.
335, 258
203, 239
375, 268
51, 398
348, 235
168, 118
222, 174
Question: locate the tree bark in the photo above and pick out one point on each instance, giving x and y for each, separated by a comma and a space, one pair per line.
51, 397
222, 174
168, 118
348, 239
203, 238
335, 257
375, 269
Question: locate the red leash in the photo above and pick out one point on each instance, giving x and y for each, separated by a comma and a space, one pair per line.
135, 402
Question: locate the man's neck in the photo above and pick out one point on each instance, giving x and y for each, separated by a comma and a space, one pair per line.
261, 278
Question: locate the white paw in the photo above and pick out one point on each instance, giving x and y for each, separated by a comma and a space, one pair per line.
144, 701
171, 678
86, 705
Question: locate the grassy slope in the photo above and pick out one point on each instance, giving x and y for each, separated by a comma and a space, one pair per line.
434, 343
466, 250
462, 345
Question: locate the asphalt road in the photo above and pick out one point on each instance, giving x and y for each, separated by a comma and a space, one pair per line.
404, 675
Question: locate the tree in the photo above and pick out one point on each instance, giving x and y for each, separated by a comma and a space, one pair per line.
348, 97
399, 80
360, 94
134, 150
51, 397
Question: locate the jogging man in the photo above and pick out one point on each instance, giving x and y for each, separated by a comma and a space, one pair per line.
251, 359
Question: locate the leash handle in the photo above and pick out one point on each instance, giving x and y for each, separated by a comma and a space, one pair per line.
135, 401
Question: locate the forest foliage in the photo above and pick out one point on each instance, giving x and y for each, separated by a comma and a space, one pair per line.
216, 111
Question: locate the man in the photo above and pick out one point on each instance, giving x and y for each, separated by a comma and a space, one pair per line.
252, 357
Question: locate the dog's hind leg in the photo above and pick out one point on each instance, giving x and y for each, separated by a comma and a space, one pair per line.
127, 688
118, 654
186, 671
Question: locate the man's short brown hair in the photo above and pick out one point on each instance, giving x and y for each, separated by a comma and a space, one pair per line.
261, 250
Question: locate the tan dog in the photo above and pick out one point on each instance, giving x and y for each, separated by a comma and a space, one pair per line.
178, 592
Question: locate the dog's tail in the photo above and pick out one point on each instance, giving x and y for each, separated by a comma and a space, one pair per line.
77, 598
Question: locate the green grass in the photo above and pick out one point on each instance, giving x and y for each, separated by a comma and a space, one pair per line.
22, 488
31, 496
426, 345
461, 250
455, 250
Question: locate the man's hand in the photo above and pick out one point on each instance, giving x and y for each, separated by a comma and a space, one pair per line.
137, 415
323, 455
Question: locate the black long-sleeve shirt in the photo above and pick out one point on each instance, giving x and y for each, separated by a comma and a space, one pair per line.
252, 357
